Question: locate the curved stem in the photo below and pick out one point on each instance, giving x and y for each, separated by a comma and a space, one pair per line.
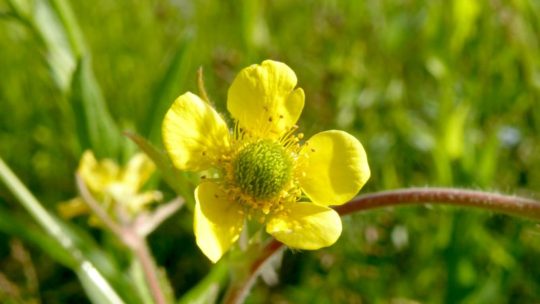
131, 238
202, 88
238, 291
150, 271
96, 207
512, 205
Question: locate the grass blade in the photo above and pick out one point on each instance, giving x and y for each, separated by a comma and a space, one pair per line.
176, 179
168, 88
93, 281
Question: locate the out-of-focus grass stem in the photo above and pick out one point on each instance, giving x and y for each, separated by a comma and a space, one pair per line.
85, 269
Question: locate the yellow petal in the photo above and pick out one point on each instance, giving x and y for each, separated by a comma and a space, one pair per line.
130, 199
263, 100
97, 175
194, 134
218, 221
305, 226
336, 167
139, 202
73, 208
137, 172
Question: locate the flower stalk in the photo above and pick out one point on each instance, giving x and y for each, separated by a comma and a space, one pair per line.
133, 235
507, 204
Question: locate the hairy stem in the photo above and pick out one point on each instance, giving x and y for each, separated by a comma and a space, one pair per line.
512, 205
95, 206
150, 270
238, 290
202, 87
129, 236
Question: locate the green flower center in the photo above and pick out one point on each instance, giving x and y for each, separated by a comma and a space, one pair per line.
262, 169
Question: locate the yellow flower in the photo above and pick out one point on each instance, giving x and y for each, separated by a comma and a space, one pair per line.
113, 186
259, 170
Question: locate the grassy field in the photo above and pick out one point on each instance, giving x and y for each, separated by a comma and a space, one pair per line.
440, 93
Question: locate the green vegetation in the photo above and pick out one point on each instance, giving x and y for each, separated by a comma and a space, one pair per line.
441, 93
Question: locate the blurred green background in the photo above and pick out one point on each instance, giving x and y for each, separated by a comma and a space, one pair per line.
441, 93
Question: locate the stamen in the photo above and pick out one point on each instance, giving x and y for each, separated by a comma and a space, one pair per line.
289, 133
261, 175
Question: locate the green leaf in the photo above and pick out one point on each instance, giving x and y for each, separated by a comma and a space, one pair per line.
169, 87
465, 14
138, 279
69, 60
96, 287
455, 130
95, 126
59, 52
15, 225
207, 290
93, 281
178, 180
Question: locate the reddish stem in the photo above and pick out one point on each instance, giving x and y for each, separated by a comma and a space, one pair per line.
513, 205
